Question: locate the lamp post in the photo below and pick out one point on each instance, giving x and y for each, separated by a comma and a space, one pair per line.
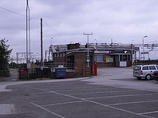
88, 56
132, 51
51, 40
143, 46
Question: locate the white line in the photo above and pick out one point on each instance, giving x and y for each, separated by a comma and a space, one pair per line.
63, 103
40, 93
101, 92
86, 100
7, 109
91, 97
66, 95
102, 104
47, 110
148, 112
133, 102
121, 96
119, 109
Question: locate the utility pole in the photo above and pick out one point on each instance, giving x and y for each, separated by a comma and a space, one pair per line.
143, 46
41, 48
88, 57
27, 33
41, 43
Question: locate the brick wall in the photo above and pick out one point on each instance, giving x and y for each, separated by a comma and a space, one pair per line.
80, 64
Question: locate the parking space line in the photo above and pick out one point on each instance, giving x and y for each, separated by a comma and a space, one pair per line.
148, 112
120, 96
101, 92
91, 101
133, 102
63, 103
47, 110
119, 109
41, 93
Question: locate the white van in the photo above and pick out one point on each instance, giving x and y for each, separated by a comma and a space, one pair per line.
144, 71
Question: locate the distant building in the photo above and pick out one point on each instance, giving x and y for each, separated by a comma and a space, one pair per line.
74, 56
74, 59
148, 52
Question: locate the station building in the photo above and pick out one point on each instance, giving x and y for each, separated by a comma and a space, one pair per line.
74, 56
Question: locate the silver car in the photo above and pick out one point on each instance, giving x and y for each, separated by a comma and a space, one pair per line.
144, 71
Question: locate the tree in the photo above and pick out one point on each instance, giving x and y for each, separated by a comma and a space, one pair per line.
4, 57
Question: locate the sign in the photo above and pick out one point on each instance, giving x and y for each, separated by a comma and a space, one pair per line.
101, 51
87, 58
31, 65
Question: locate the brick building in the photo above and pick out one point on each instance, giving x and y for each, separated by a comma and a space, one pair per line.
73, 57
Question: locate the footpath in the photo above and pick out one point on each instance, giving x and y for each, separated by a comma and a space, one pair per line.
118, 77
13, 80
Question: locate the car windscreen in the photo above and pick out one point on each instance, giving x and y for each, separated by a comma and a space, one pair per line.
137, 68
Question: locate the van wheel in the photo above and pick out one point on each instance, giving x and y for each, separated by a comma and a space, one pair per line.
148, 77
139, 78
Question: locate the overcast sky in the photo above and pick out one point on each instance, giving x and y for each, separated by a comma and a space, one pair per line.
64, 21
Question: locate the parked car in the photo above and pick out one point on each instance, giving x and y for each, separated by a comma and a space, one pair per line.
144, 71
155, 76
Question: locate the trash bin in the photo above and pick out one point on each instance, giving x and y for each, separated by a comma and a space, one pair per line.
60, 72
23, 73
46, 72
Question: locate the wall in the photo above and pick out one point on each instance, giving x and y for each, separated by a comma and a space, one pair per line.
81, 64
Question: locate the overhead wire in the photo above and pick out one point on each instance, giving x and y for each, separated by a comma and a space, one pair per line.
55, 31
52, 29
12, 11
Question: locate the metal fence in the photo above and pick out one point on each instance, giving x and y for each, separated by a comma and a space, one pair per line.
4, 73
69, 66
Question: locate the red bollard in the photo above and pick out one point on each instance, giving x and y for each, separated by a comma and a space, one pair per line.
95, 68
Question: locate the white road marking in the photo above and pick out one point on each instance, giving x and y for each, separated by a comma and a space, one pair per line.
86, 100
120, 96
148, 112
133, 102
120, 109
47, 110
101, 92
7, 109
63, 103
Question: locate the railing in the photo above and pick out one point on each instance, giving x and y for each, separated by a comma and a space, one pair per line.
4, 73
110, 45
67, 65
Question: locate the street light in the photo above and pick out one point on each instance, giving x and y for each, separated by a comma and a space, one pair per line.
88, 56
132, 50
51, 40
143, 46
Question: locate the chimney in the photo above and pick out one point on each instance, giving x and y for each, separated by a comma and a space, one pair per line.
73, 46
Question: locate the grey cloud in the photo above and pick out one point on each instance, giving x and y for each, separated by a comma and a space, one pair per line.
66, 20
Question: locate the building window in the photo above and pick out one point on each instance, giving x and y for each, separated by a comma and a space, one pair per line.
108, 59
99, 58
124, 57
57, 54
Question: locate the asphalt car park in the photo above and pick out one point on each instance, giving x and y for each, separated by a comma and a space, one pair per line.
93, 97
